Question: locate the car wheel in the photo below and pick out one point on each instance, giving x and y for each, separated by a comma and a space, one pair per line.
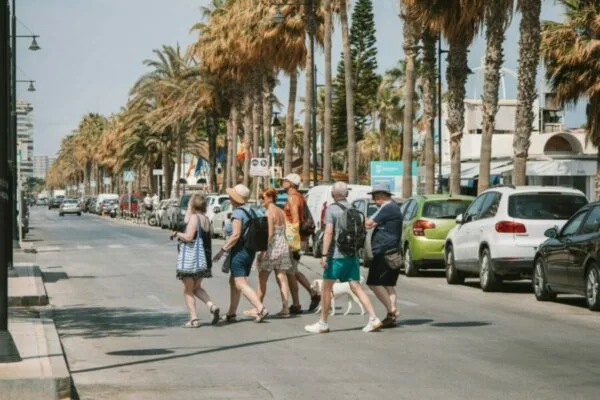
79, 214
488, 280
453, 275
540, 284
592, 291
152, 221
409, 266
61, 214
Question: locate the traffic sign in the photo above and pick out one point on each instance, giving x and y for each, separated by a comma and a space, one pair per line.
107, 180
259, 167
92, 184
129, 176
158, 172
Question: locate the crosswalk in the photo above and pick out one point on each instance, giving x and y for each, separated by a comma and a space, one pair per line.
104, 246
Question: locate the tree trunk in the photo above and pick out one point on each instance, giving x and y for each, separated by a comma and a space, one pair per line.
228, 149
429, 103
248, 129
179, 162
352, 165
328, 89
306, 137
410, 40
529, 54
382, 134
456, 76
212, 131
289, 125
267, 110
496, 24
234, 139
256, 126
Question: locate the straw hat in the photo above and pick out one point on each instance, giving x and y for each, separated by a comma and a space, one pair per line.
239, 193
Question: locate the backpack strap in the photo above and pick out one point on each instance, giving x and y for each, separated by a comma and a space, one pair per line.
340, 206
250, 217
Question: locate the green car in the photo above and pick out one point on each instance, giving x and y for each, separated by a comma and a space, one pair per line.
427, 221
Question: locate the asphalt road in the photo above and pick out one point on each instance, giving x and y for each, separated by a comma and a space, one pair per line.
119, 308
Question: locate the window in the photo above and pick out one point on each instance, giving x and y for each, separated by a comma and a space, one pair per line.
371, 209
410, 209
475, 208
573, 225
592, 223
444, 209
490, 206
544, 205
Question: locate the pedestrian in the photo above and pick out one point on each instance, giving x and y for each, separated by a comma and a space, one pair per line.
387, 225
194, 261
277, 257
239, 257
294, 212
338, 265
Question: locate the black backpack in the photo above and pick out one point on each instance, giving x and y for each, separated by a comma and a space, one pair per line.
257, 232
307, 227
351, 231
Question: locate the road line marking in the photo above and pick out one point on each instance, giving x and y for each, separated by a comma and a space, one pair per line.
116, 246
47, 249
84, 247
407, 303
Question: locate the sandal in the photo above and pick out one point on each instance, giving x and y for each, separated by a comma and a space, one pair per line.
229, 318
192, 323
261, 315
251, 312
214, 310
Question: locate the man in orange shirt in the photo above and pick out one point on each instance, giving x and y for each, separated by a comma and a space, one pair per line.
294, 213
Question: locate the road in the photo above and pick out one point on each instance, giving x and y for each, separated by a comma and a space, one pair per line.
119, 308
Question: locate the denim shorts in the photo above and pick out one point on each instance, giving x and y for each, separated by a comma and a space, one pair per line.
241, 262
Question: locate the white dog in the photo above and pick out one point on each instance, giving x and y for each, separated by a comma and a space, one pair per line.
339, 289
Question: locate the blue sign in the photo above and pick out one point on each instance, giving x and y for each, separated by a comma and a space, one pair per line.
391, 172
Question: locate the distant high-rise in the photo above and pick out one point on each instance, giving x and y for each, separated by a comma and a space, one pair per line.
41, 165
25, 138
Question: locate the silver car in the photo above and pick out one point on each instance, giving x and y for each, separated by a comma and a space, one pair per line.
69, 206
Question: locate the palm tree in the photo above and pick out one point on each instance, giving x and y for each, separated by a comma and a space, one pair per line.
429, 84
498, 14
328, 28
570, 53
352, 165
529, 53
389, 105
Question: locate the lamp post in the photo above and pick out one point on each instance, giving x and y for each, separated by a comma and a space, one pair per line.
439, 109
274, 124
311, 18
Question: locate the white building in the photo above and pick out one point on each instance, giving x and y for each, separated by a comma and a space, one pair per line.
557, 156
25, 139
41, 164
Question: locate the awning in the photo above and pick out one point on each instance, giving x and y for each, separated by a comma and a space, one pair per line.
553, 168
470, 170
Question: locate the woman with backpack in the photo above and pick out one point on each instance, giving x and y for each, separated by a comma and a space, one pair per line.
194, 259
239, 257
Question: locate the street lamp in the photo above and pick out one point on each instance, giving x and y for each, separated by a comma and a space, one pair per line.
310, 15
31, 88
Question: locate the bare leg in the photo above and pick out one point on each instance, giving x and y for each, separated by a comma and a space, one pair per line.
263, 277
284, 290
300, 277
242, 285
202, 294
364, 299
188, 296
326, 299
234, 297
383, 296
294, 289
393, 297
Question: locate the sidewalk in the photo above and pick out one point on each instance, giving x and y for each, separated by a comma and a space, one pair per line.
26, 287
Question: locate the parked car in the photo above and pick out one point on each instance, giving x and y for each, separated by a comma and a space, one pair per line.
426, 223
127, 204
176, 212
107, 206
497, 237
221, 219
54, 203
569, 260
69, 206
87, 205
214, 202
41, 202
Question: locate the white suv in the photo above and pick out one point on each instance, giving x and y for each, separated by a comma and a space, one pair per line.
497, 236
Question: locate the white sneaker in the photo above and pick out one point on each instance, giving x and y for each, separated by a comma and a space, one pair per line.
318, 327
373, 325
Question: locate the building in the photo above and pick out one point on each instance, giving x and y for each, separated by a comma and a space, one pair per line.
41, 164
25, 139
557, 156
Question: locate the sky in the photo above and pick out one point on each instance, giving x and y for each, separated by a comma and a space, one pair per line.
93, 52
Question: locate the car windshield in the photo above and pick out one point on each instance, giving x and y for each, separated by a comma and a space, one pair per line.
444, 209
184, 201
545, 205
70, 202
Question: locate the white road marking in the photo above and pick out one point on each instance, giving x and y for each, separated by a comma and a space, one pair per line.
116, 246
407, 303
47, 249
84, 247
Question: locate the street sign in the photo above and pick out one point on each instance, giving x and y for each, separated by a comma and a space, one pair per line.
107, 180
158, 172
80, 186
129, 176
390, 172
259, 167
92, 184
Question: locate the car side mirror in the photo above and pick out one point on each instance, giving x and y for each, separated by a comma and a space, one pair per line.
459, 219
551, 233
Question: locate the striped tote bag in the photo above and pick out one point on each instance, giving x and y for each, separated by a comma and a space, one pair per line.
191, 258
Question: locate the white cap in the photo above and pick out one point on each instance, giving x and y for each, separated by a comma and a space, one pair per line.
340, 188
294, 179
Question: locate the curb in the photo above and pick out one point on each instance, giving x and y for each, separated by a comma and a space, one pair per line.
29, 272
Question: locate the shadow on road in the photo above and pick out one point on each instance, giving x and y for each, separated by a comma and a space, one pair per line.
53, 277
100, 322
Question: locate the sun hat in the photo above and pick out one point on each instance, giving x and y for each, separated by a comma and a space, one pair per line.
380, 187
294, 179
239, 193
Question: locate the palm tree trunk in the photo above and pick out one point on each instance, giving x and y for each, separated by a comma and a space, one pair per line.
496, 24
256, 124
179, 162
529, 53
228, 150
267, 109
382, 134
308, 101
410, 40
429, 102
456, 76
328, 88
212, 131
352, 165
288, 157
247, 124
234, 139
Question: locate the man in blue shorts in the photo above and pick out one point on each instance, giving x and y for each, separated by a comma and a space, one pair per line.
339, 266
